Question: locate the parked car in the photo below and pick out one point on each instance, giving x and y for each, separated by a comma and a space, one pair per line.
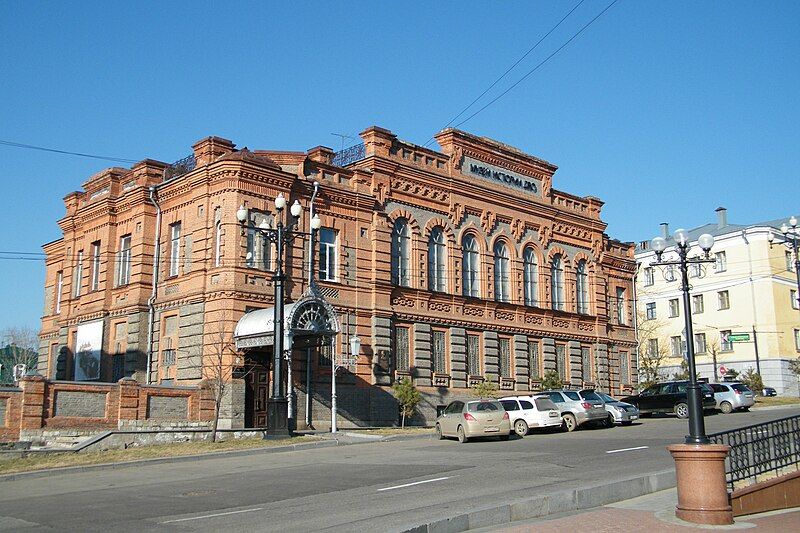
733, 396
769, 391
527, 412
669, 397
578, 407
467, 420
620, 412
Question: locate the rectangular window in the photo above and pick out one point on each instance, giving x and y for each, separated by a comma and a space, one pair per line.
789, 262
169, 347
674, 308
624, 373
533, 357
676, 346
700, 343
439, 352
695, 270
175, 249
649, 277
258, 243
401, 354
217, 237
652, 347
622, 316
118, 347
669, 273
720, 262
327, 254
586, 363
697, 304
504, 346
797, 339
725, 344
78, 274
124, 261
59, 289
793, 299
95, 265
561, 361
474, 355
650, 310
723, 300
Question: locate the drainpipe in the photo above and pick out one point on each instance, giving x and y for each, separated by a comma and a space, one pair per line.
310, 281
636, 322
152, 300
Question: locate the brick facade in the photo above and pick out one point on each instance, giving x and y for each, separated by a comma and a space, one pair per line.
205, 280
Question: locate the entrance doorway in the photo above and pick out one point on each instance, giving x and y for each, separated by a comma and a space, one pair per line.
256, 390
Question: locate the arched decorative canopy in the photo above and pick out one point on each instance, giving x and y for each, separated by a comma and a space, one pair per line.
310, 316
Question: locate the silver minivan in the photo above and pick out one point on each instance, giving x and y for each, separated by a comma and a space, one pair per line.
733, 396
578, 407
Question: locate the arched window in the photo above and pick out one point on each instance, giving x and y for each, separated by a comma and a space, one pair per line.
437, 261
557, 283
530, 274
582, 288
501, 273
401, 253
470, 266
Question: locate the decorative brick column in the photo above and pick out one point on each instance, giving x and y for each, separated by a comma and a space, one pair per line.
33, 389
128, 400
702, 493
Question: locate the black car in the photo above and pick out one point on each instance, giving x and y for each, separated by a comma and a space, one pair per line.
669, 397
769, 391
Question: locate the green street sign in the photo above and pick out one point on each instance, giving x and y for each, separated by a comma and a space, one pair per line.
738, 337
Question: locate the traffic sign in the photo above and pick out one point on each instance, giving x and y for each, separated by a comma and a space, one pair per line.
738, 337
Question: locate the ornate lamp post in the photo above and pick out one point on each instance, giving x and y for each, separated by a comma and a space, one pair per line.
282, 235
697, 431
790, 240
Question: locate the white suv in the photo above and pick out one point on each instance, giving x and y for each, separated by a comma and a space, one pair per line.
527, 412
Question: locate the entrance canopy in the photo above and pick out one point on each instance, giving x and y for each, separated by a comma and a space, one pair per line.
310, 316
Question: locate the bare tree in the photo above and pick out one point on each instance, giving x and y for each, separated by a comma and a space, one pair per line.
218, 361
651, 355
21, 348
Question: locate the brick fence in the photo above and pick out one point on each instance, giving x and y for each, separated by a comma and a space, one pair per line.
38, 404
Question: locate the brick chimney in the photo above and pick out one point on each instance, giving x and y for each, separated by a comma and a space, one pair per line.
210, 149
722, 217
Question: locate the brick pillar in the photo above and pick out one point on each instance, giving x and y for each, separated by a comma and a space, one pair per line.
33, 388
128, 400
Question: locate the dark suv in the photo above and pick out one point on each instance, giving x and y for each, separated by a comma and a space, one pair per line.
669, 397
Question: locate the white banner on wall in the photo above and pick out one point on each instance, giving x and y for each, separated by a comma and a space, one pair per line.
88, 345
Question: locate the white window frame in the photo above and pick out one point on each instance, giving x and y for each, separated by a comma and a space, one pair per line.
674, 310
649, 276
470, 265
501, 272
95, 265
725, 346
673, 345
175, 249
557, 282
59, 289
530, 274
328, 259
437, 261
698, 305
622, 315
650, 311
793, 297
797, 339
700, 347
720, 262
218, 243
401, 253
78, 274
124, 261
726, 299
582, 288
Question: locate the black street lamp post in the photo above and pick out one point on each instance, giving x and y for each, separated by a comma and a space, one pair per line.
697, 430
790, 240
277, 406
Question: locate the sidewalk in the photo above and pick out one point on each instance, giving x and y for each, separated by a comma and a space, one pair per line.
653, 513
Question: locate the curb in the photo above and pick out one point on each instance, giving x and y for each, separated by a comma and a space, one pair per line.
576, 499
326, 443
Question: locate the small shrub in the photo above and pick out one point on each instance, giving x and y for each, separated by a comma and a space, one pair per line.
407, 396
753, 380
485, 389
551, 380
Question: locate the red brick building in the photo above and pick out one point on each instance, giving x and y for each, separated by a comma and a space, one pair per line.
452, 266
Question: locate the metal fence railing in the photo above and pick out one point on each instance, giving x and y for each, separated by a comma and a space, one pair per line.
349, 155
771, 447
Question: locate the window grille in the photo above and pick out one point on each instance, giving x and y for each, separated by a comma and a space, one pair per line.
402, 361
505, 358
439, 363
533, 357
473, 355
561, 363
586, 363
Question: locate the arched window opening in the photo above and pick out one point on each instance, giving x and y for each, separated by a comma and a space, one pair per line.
501, 273
437, 261
470, 267
557, 283
401, 253
582, 288
530, 277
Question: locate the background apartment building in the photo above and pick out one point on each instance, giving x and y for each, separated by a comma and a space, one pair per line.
745, 311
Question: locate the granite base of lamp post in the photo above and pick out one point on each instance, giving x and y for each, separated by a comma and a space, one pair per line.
702, 491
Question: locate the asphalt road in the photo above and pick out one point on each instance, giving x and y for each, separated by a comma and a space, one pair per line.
377, 486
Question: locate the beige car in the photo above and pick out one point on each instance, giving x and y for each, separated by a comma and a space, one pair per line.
479, 418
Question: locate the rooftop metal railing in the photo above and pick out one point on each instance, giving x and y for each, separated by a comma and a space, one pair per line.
180, 167
349, 155
760, 450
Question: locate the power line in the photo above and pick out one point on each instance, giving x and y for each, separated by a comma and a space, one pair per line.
66, 152
517, 62
538, 66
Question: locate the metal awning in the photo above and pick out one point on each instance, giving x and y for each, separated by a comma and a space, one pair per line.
311, 315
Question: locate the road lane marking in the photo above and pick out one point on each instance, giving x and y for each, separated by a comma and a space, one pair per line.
415, 483
213, 515
628, 449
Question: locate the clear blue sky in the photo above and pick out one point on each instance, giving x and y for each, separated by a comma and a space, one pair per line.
665, 110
